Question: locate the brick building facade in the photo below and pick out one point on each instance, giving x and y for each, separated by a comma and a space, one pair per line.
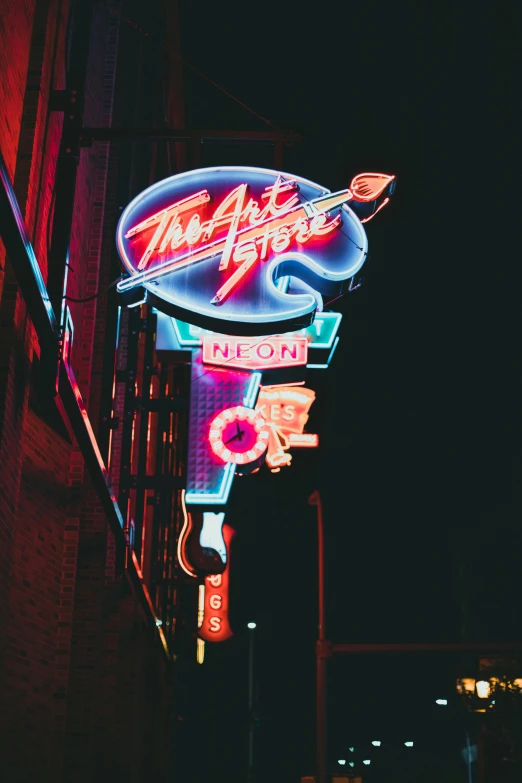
86, 670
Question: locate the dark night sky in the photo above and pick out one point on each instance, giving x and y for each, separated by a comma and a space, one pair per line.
419, 413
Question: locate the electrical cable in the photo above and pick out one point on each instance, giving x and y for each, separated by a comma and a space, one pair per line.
93, 296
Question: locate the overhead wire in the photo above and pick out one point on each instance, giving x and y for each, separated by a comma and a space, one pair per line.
149, 34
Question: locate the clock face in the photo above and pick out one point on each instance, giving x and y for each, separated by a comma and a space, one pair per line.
239, 435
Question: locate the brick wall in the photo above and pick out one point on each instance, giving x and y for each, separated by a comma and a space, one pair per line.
32, 459
83, 680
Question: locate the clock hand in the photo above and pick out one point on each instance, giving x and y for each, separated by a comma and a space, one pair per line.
234, 437
237, 436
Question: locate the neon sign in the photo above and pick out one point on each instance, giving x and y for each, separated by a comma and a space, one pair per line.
201, 546
285, 409
213, 389
210, 245
173, 334
253, 354
214, 625
239, 435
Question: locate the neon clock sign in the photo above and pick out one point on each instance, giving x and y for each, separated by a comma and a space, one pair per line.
244, 251
239, 435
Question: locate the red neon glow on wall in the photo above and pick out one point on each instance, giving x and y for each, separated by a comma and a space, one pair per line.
216, 626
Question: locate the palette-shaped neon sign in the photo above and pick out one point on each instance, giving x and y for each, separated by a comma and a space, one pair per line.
209, 246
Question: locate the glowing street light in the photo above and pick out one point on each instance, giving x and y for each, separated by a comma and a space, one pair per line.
376, 743
483, 689
251, 626
409, 744
342, 762
351, 763
367, 762
442, 702
351, 750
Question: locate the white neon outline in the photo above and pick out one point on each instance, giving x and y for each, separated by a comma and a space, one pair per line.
303, 440
324, 366
137, 304
211, 534
201, 604
214, 312
316, 294
215, 498
249, 400
282, 283
182, 535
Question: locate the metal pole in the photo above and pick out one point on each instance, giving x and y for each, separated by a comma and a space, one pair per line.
250, 777
320, 734
481, 761
468, 746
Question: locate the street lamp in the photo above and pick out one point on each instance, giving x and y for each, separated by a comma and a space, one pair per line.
483, 689
483, 694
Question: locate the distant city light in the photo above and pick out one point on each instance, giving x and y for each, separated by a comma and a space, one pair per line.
442, 702
342, 762
376, 743
483, 689
367, 762
409, 744
351, 763
251, 626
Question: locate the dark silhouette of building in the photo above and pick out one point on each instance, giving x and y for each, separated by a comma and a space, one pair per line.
89, 600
